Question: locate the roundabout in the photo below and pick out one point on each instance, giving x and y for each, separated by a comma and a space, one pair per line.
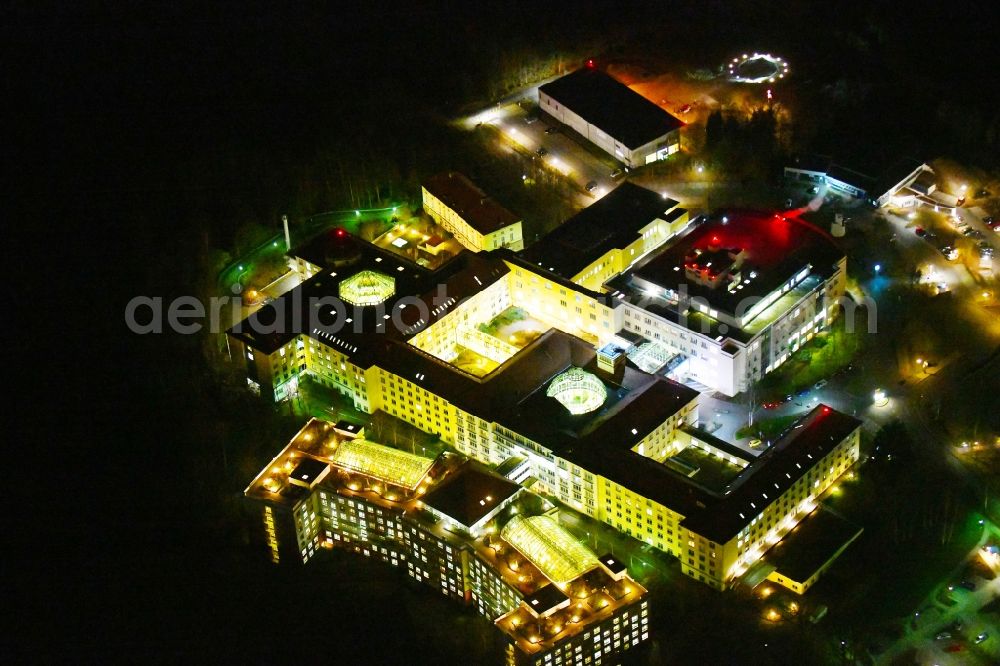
757, 68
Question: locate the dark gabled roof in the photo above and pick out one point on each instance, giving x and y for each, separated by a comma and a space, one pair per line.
811, 162
851, 177
613, 221
720, 516
719, 444
618, 110
301, 309
470, 493
811, 544
519, 260
801, 447
472, 204
896, 173
513, 395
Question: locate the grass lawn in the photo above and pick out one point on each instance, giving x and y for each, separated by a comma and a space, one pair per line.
505, 318
767, 429
323, 402
822, 356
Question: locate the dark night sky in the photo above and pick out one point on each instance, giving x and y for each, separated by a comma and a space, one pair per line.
126, 114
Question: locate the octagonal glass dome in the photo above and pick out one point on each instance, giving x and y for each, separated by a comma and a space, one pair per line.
578, 391
367, 288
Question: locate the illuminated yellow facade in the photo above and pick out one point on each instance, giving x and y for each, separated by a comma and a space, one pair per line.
617, 260
473, 234
553, 599
555, 303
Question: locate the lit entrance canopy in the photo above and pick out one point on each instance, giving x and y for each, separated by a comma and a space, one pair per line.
367, 288
578, 391
556, 552
381, 462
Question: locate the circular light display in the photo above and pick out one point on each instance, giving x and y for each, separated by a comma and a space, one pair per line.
757, 68
367, 288
578, 391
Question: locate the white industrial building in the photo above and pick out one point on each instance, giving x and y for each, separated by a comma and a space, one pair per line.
612, 116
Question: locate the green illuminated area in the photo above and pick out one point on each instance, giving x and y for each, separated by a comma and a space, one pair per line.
515, 326
553, 550
381, 462
578, 391
367, 288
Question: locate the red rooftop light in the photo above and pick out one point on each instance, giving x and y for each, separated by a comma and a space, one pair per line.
590, 63
826, 410
340, 232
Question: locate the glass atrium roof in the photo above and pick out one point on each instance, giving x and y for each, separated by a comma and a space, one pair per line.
556, 552
367, 288
381, 462
578, 391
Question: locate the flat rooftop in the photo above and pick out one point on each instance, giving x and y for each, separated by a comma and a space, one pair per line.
602, 100
811, 544
473, 205
593, 597
776, 249
545, 599
704, 468
469, 494
611, 222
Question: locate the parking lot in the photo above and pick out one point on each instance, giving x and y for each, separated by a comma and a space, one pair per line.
544, 143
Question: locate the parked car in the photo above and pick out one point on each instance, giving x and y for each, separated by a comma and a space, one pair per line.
920, 231
820, 384
943, 636
981, 637
591, 186
617, 173
950, 253
551, 130
542, 152
771, 405
529, 120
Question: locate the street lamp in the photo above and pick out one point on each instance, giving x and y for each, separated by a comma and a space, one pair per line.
879, 397
878, 268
